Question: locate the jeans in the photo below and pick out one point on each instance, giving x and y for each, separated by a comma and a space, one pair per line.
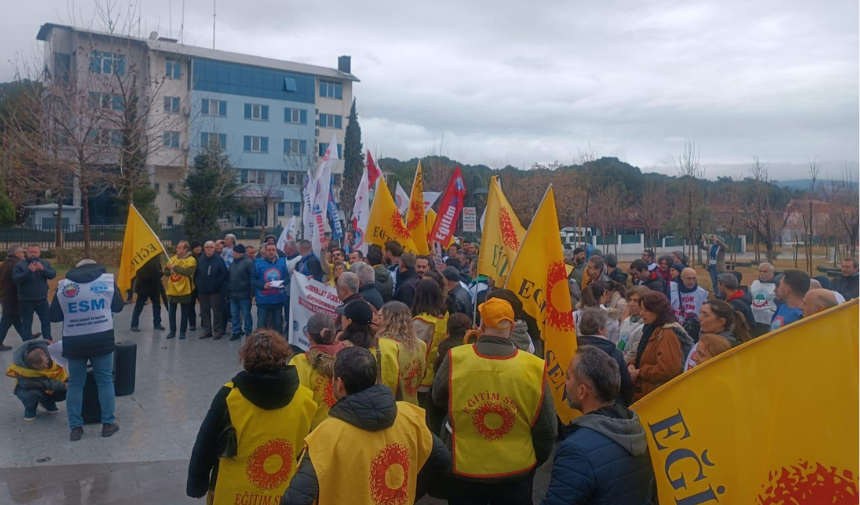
265, 312
40, 307
210, 323
712, 269
31, 398
241, 312
8, 321
138, 308
184, 310
103, 372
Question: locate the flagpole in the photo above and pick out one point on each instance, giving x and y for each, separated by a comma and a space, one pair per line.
131, 206
526, 236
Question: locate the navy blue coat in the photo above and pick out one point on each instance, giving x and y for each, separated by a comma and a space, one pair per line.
603, 460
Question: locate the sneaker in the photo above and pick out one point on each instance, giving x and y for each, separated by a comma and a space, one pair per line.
37, 334
236, 336
205, 335
158, 327
5, 347
109, 429
29, 415
171, 335
181, 336
52, 409
135, 329
76, 433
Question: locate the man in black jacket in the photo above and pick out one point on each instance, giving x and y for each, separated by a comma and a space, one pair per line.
740, 300
848, 284
645, 277
209, 278
147, 286
592, 326
9, 296
239, 291
32, 276
407, 279
613, 271
367, 283
458, 300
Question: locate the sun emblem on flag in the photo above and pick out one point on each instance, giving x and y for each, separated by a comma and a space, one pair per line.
493, 420
389, 475
270, 464
556, 279
808, 482
400, 231
509, 234
417, 212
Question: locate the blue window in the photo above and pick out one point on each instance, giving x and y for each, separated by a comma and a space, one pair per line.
213, 140
331, 89
256, 111
214, 107
173, 68
330, 121
295, 146
252, 176
171, 139
324, 146
171, 104
290, 84
116, 138
105, 101
292, 178
282, 209
107, 63
295, 116
116, 103
256, 144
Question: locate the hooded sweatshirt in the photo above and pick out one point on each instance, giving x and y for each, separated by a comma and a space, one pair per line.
603, 460
52, 378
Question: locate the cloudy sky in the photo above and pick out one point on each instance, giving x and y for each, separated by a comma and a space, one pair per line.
513, 82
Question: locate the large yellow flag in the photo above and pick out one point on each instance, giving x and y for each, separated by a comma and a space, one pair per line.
502, 236
385, 223
415, 215
773, 421
539, 278
139, 245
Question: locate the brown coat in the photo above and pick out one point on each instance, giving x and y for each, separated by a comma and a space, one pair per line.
661, 361
8, 289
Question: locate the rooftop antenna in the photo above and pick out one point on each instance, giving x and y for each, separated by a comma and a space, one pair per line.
213, 22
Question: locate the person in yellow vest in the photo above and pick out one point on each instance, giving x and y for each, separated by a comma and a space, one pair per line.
316, 366
357, 320
371, 449
38, 379
430, 322
248, 443
180, 286
395, 324
501, 421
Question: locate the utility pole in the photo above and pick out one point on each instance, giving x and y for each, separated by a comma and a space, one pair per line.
213, 22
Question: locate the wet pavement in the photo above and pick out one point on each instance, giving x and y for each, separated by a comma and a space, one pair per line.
146, 461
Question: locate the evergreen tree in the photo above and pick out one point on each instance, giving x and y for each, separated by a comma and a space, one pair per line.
209, 191
353, 161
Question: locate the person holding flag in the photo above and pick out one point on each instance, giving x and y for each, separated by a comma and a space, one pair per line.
141, 253
415, 221
445, 223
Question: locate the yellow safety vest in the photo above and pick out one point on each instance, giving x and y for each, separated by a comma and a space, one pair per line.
319, 383
180, 285
390, 364
374, 466
493, 403
440, 330
412, 367
269, 442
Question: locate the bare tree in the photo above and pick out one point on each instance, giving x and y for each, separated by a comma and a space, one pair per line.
809, 217
653, 210
841, 196
691, 172
609, 201
762, 218
728, 212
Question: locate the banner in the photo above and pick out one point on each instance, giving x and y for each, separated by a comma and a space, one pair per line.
401, 199
334, 214
449, 209
415, 222
502, 235
320, 194
308, 297
373, 173
288, 233
773, 421
139, 245
385, 223
430, 219
361, 213
539, 279
469, 220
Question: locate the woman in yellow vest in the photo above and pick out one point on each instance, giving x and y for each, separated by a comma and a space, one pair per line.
180, 284
247, 447
430, 322
395, 323
356, 321
316, 366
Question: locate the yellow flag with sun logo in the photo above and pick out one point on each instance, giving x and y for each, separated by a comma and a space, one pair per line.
502, 237
539, 278
415, 221
385, 223
139, 245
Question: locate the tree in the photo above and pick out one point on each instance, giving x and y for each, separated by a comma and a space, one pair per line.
727, 210
353, 160
808, 217
653, 210
691, 203
843, 205
209, 191
763, 216
608, 203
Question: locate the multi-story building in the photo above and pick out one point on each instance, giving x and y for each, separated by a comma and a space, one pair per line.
273, 118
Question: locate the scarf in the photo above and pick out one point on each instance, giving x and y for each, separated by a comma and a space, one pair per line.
647, 331
736, 294
682, 288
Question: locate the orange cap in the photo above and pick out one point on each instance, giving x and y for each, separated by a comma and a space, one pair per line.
494, 313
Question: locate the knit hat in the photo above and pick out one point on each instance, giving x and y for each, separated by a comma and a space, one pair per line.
497, 313
679, 267
239, 248
358, 311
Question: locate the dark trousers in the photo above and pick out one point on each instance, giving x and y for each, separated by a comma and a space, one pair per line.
138, 308
184, 311
226, 313
192, 314
31, 398
507, 493
28, 308
7, 321
287, 316
269, 316
211, 323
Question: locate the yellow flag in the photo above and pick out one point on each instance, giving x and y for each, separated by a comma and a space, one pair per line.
385, 223
502, 236
430, 220
539, 278
139, 245
773, 421
415, 215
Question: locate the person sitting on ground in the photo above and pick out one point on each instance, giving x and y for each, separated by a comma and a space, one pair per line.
395, 323
792, 288
38, 379
739, 299
630, 332
817, 300
357, 321
709, 346
316, 366
604, 456
593, 332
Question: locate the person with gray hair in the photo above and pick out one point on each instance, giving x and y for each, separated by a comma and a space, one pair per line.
740, 300
367, 283
227, 252
9, 296
763, 296
210, 276
604, 446
592, 331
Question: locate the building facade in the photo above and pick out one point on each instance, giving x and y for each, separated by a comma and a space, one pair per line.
273, 118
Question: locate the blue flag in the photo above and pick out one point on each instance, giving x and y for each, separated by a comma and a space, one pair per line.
334, 216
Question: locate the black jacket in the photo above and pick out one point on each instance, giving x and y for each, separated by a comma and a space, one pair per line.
743, 304
848, 287
618, 276
8, 289
404, 288
94, 344
655, 283
373, 409
384, 284
625, 395
32, 285
458, 301
148, 279
269, 392
210, 275
371, 295
239, 279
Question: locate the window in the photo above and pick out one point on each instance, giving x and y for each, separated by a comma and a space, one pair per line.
171, 104
171, 186
295, 146
282, 209
171, 139
290, 84
291, 178
107, 63
330, 89
62, 64
295, 116
256, 144
256, 111
169, 220
213, 140
252, 176
330, 121
105, 101
324, 146
173, 68
214, 107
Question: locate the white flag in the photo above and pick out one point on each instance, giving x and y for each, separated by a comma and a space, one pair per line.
291, 229
401, 199
429, 199
319, 196
361, 213
307, 222
288, 233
